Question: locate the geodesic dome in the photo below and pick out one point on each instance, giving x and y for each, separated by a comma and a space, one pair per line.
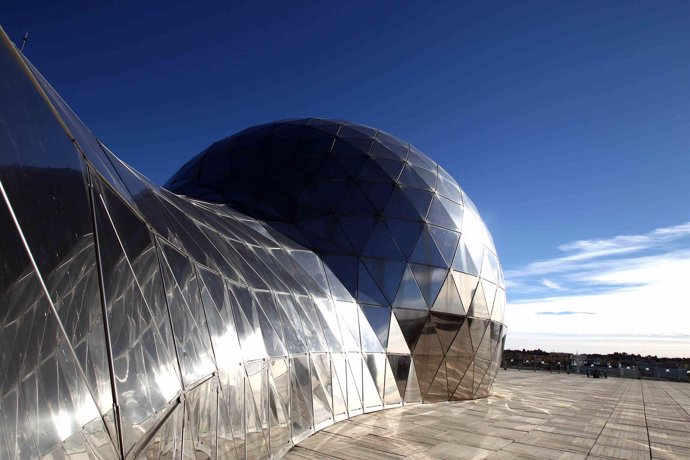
139, 323
393, 226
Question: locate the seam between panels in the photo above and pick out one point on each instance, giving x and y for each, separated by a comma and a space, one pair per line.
179, 399
199, 283
104, 315
129, 263
32, 78
53, 309
151, 433
154, 240
613, 409
646, 424
37, 86
674, 399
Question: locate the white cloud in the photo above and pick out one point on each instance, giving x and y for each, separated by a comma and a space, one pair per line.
588, 250
636, 284
551, 284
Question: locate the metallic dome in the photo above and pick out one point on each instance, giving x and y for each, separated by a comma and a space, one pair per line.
315, 270
391, 224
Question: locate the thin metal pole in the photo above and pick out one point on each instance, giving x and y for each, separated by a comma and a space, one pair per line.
106, 326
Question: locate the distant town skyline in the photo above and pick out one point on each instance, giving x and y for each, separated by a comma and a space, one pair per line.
565, 123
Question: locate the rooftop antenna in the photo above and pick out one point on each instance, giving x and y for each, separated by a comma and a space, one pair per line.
24, 40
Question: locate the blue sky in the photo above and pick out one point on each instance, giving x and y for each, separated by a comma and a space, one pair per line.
566, 122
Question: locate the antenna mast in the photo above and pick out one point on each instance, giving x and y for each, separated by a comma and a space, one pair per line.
24, 40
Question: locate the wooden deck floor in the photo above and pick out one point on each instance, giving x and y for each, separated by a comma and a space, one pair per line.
532, 415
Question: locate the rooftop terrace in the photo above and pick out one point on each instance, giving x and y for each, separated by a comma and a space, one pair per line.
531, 415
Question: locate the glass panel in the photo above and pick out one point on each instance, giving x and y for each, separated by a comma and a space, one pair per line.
489, 294
446, 241
448, 300
396, 340
390, 146
231, 434
430, 280
477, 330
400, 207
353, 368
412, 392
498, 310
438, 390
463, 259
321, 389
141, 359
411, 323
312, 326
466, 284
370, 393
339, 378
86, 141
464, 390
40, 375
358, 229
187, 314
379, 319
271, 327
456, 368
293, 331
405, 233
42, 175
376, 364
367, 290
167, 443
462, 344
418, 158
478, 307
409, 295
370, 341
300, 398
446, 326
428, 343
248, 328
420, 199
399, 366
329, 322
490, 267
386, 274
201, 417
426, 368
256, 409
381, 244
381, 171
279, 382
221, 324
447, 187
481, 367
311, 264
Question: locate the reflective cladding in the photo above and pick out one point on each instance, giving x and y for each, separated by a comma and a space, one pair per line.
393, 227
303, 272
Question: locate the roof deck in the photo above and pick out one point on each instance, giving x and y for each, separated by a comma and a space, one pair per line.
530, 415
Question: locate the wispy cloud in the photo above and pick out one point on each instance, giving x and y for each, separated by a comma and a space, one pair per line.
551, 284
589, 260
628, 285
628, 242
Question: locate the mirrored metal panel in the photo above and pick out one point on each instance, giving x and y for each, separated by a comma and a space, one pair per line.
290, 276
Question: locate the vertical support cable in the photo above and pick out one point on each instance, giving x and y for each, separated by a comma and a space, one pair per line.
104, 313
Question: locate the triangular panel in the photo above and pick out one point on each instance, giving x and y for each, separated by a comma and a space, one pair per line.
409, 295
